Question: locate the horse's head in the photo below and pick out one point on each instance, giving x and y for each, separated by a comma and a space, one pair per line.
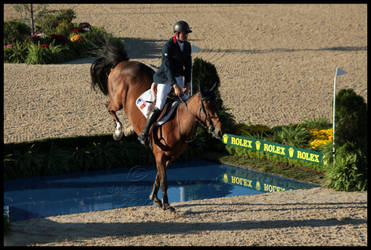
209, 112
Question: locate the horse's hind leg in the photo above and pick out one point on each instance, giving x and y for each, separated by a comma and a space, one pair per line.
153, 195
117, 135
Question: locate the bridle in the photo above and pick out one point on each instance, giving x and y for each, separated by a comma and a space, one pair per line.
211, 126
208, 118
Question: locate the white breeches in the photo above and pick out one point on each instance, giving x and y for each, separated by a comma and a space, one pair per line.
164, 89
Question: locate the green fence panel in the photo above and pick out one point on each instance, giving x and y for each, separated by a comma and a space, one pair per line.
274, 148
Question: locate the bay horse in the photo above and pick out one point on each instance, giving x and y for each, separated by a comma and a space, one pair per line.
124, 81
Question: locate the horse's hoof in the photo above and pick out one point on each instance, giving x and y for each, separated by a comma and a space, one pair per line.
117, 135
117, 138
168, 207
129, 131
157, 204
171, 209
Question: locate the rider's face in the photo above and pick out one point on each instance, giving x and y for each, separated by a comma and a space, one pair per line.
183, 36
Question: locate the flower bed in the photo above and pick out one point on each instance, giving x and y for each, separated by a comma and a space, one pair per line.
68, 41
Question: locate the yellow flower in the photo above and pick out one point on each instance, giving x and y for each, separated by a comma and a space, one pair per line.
321, 137
75, 38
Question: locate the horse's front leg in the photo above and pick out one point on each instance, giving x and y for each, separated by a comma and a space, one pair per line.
163, 184
153, 195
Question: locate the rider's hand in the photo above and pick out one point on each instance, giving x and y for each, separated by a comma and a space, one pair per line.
177, 90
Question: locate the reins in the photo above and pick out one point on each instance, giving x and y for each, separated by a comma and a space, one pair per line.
200, 121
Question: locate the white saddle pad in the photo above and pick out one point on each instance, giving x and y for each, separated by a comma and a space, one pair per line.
145, 100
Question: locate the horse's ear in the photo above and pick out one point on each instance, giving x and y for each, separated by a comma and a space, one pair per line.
213, 87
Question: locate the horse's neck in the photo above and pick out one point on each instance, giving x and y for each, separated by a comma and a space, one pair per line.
189, 113
194, 104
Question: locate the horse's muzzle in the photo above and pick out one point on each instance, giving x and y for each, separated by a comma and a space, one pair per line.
217, 133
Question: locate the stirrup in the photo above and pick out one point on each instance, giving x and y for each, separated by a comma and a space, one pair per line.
142, 138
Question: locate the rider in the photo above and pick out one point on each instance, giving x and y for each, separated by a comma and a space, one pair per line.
176, 64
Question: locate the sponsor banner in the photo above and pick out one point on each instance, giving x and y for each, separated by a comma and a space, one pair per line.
264, 183
253, 184
274, 148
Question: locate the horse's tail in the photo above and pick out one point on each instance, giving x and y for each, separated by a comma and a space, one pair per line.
112, 53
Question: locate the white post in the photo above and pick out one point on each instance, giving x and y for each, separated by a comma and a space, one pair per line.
333, 119
182, 193
191, 79
194, 49
338, 73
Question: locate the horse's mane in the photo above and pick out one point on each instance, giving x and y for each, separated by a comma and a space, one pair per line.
108, 56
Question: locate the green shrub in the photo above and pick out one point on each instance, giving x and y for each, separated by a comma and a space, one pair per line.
29, 163
18, 53
8, 52
66, 15
81, 47
351, 119
59, 53
253, 131
349, 171
88, 43
15, 31
38, 55
96, 38
296, 136
49, 22
318, 123
64, 28
56, 161
204, 76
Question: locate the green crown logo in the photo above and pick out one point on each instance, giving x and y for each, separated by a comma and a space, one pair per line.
257, 186
225, 178
291, 152
225, 138
257, 144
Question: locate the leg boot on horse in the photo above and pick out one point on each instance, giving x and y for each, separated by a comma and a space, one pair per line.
153, 196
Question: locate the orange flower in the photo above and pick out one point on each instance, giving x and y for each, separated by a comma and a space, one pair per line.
75, 38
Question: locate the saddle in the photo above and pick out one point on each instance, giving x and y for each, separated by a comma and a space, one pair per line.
147, 101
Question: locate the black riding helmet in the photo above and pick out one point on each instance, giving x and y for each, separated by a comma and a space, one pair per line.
182, 26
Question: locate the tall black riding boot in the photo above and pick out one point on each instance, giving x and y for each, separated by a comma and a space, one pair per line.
152, 117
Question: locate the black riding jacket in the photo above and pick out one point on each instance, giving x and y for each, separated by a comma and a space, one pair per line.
174, 63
